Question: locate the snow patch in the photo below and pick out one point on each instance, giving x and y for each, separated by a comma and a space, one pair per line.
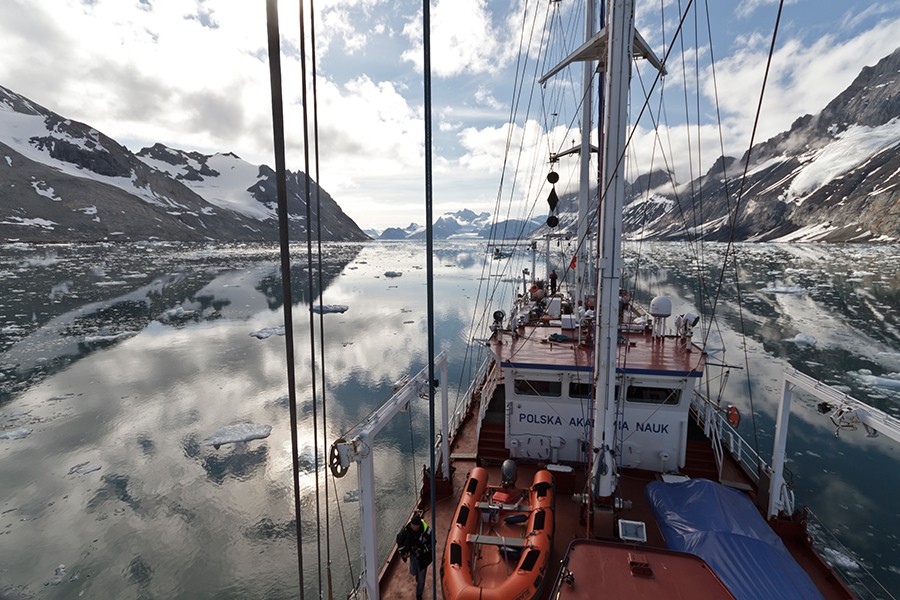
850, 149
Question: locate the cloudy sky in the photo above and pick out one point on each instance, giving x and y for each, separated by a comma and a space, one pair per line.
193, 74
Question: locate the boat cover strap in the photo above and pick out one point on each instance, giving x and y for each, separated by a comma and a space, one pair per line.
724, 528
501, 506
496, 540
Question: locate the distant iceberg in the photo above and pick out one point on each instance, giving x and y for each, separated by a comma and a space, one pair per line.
242, 432
330, 308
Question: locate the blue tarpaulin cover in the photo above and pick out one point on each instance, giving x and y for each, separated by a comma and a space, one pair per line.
724, 528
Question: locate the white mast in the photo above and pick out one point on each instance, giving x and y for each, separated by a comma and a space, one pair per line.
620, 44
584, 187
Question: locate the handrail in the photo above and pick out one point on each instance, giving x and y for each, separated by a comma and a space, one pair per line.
717, 428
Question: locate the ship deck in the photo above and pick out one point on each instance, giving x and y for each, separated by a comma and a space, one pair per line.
570, 525
548, 346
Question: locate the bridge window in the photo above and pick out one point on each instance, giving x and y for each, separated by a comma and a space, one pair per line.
579, 390
532, 387
653, 395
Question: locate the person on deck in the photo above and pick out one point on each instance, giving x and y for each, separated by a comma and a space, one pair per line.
553, 282
414, 543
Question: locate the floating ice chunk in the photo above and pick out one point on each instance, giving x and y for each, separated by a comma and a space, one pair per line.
85, 468
58, 575
61, 397
886, 382
11, 329
267, 332
803, 339
16, 434
330, 308
783, 290
242, 432
104, 339
174, 314
352, 496
839, 559
392, 274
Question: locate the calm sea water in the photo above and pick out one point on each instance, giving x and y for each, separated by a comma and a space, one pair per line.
120, 360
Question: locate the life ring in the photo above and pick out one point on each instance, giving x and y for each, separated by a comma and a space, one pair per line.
734, 417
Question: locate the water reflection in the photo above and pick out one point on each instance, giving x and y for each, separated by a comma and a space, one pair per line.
165, 516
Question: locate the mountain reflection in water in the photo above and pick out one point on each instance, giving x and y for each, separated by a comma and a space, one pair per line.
128, 356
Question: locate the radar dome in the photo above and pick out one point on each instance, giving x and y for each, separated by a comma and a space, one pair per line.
661, 306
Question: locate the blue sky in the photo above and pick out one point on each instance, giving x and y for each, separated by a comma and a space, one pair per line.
193, 74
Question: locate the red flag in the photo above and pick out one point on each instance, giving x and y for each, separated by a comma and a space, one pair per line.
572, 264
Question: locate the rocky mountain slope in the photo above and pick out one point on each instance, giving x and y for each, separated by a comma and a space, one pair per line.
834, 176
61, 180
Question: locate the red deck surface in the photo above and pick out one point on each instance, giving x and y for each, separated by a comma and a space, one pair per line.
532, 346
626, 571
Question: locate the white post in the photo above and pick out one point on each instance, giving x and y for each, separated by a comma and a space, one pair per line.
780, 448
445, 423
366, 478
584, 185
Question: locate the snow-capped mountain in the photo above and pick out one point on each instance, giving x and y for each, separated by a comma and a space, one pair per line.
464, 224
834, 176
61, 180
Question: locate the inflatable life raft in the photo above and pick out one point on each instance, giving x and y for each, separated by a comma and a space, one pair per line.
483, 511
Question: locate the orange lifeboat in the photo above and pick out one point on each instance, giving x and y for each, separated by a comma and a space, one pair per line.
497, 550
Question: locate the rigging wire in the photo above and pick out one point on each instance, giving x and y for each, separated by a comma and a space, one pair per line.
729, 249
315, 112
309, 282
274, 51
429, 270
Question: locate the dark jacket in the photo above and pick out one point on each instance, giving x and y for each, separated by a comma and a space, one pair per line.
417, 544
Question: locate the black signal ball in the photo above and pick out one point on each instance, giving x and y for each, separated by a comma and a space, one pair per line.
552, 221
552, 200
552, 176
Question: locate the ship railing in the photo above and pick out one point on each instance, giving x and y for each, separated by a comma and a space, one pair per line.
725, 438
490, 376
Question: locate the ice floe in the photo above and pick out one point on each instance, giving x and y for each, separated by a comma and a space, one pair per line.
330, 308
104, 339
177, 313
16, 434
839, 559
783, 290
267, 332
241, 432
803, 339
866, 377
85, 468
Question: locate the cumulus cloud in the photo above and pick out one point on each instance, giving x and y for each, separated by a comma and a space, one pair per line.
194, 75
